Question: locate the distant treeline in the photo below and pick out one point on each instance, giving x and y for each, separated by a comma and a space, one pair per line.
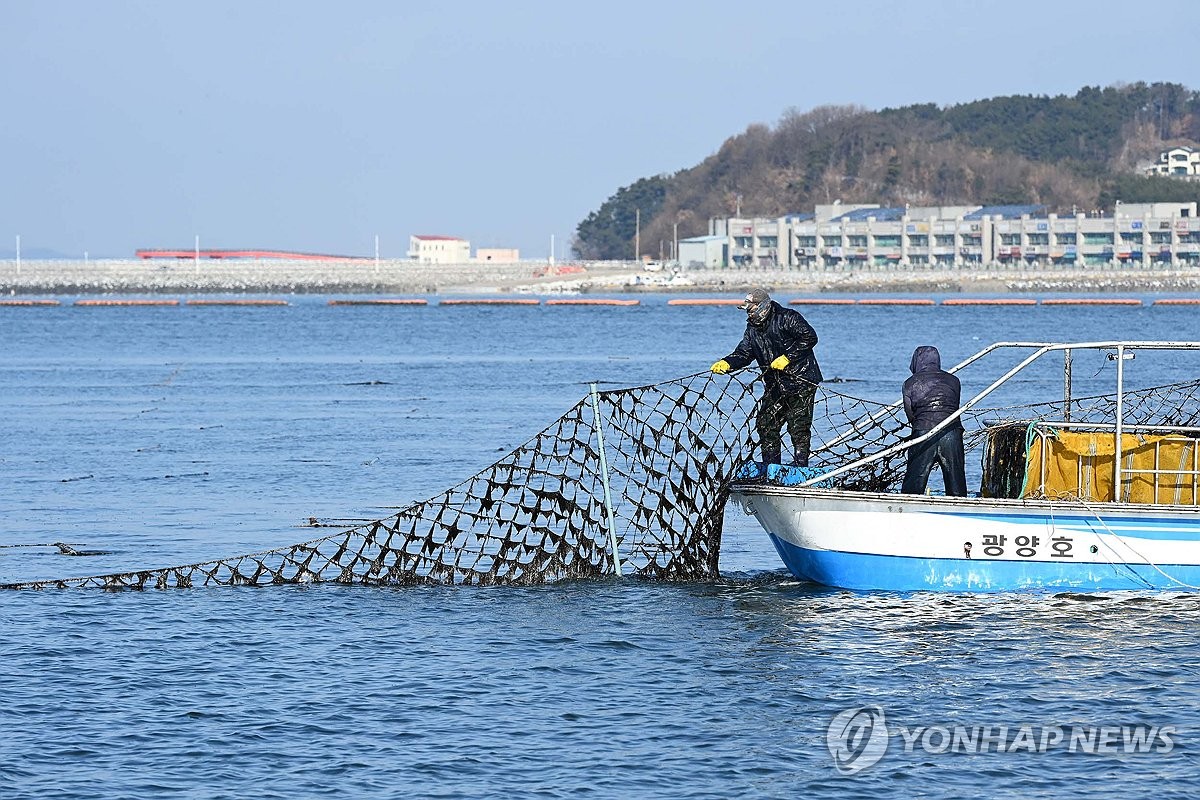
1067, 153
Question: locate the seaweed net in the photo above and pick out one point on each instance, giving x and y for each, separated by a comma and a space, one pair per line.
540, 513
543, 512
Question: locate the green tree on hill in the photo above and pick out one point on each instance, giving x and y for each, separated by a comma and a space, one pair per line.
1148, 189
608, 232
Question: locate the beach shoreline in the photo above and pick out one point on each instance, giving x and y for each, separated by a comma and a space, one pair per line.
402, 277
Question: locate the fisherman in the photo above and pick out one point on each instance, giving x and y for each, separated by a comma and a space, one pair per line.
781, 341
930, 396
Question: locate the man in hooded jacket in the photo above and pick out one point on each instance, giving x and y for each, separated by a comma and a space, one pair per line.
781, 341
930, 396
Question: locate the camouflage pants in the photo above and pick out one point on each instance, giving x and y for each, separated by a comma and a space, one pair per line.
796, 411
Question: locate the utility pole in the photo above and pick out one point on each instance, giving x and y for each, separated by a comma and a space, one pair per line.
675, 244
637, 235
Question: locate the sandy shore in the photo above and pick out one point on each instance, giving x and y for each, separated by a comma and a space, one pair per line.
135, 276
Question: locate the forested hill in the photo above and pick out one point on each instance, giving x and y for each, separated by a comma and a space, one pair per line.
1064, 152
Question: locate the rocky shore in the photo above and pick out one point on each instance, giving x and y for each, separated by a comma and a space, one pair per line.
396, 277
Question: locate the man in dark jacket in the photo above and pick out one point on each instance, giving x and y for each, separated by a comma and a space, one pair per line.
782, 342
930, 396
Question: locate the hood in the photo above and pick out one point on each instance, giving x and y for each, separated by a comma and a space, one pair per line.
925, 358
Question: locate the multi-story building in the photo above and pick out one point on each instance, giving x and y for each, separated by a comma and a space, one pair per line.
871, 237
428, 249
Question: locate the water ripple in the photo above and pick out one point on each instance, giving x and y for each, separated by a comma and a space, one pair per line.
607, 689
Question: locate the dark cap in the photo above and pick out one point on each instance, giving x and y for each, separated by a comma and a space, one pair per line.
755, 297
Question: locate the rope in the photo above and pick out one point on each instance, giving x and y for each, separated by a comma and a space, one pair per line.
1029, 435
1131, 548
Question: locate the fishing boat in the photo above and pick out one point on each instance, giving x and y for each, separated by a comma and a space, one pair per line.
1082, 494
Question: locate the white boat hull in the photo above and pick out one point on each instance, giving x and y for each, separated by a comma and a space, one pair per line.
917, 542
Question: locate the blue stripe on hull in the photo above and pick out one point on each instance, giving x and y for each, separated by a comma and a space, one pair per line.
902, 573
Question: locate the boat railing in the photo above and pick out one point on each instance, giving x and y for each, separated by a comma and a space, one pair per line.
890, 408
1120, 351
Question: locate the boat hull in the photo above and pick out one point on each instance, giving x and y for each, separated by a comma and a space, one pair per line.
915, 542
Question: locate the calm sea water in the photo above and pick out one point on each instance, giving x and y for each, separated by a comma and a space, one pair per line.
166, 435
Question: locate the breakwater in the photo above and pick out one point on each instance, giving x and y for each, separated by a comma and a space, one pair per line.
130, 276
136, 276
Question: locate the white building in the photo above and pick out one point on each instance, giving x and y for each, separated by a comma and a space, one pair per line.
428, 249
1178, 162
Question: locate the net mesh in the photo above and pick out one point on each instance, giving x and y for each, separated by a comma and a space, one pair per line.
670, 452
538, 514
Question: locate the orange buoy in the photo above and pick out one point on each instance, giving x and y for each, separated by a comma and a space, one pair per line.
237, 302
126, 302
896, 301
989, 301
704, 301
1091, 301
591, 302
821, 301
492, 301
387, 301
29, 303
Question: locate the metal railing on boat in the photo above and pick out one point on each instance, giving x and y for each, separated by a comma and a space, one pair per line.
1121, 351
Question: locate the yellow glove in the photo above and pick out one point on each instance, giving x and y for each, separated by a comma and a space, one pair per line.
780, 363
721, 367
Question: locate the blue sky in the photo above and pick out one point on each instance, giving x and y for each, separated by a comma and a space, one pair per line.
317, 126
